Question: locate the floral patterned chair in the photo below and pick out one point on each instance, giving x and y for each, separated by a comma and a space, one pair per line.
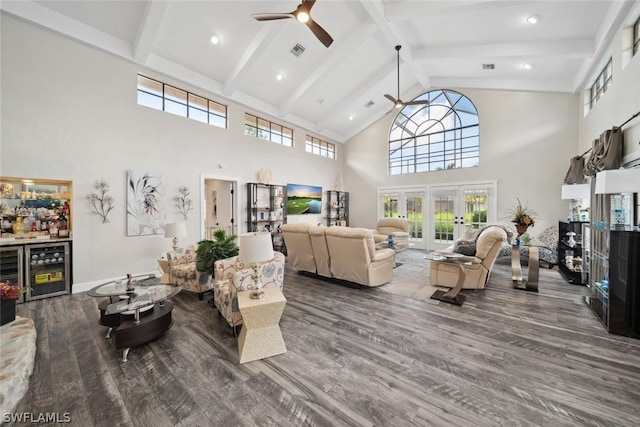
232, 276
547, 241
183, 272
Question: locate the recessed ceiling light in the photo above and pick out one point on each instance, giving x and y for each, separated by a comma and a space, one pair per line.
525, 66
215, 39
279, 76
351, 117
533, 19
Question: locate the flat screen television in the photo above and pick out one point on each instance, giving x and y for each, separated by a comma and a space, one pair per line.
303, 199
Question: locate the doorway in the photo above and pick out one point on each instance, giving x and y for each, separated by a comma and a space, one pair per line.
406, 203
458, 208
219, 206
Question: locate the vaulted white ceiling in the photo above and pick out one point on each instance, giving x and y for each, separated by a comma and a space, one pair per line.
444, 44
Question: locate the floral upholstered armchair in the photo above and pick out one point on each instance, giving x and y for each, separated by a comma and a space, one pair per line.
232, 276
183, 272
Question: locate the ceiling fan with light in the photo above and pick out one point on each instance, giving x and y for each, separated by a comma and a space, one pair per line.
397, 102
302, 14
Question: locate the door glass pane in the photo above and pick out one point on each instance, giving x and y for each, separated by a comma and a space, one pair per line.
414, 214
443, 208
389, 206
475, 207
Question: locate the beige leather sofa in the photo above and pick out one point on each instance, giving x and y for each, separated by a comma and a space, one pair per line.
476, 275
397, 227
338, 252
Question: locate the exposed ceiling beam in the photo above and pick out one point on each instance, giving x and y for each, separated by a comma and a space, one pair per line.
581, 48
148, 29
62, 24
341, 105
547, 85
375, 9
258, 48
338, 54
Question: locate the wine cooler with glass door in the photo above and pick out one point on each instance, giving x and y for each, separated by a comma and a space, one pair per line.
47, 270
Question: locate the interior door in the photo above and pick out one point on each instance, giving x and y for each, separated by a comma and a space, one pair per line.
456, 209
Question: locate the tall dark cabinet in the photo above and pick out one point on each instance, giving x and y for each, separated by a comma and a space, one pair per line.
615, 281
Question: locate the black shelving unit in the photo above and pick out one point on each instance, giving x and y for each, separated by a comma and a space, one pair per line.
572, 275
337, 208
267, 210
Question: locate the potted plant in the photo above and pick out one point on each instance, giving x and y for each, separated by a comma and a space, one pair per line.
210, 251
522, 217
8, 295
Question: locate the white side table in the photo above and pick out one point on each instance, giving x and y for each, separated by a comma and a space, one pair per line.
260, 336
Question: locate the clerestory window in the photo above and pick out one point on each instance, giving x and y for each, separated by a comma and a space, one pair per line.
441, 134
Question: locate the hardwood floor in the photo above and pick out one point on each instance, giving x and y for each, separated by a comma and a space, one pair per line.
355, 357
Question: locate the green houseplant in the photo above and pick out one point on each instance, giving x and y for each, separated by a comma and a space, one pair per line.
210, 251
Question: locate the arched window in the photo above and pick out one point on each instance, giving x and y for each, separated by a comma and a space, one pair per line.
441, 134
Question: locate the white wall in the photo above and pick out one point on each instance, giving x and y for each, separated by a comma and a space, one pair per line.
526, 142
69, 112
622, 98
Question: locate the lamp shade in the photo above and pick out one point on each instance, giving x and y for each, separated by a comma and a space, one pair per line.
255, 248
618, 181
576, 191
175, 229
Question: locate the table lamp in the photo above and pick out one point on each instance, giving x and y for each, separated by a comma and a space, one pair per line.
175, 230
255, 250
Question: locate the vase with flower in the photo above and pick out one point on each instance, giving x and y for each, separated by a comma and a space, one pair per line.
522, 217
9, 294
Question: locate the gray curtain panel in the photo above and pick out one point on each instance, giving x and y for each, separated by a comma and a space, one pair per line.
575, 174
606, 152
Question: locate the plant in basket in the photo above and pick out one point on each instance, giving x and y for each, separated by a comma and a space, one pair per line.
523, 217
8, 295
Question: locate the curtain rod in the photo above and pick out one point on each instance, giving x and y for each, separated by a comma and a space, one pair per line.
618, 127
630, 118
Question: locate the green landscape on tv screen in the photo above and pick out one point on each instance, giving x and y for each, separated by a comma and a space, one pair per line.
303, 199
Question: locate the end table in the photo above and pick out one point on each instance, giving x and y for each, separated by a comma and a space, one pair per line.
260, 336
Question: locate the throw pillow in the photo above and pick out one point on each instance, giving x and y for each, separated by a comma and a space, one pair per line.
465, 247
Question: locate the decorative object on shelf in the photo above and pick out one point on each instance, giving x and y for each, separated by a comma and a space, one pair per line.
8, 295
264, 176
522, 217
145, 203
572, 241
255, 250
101, 201
183, 202
175, 230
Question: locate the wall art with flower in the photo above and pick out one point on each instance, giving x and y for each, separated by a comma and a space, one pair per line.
145, 203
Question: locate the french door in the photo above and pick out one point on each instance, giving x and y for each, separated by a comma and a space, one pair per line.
457, 208
409, 204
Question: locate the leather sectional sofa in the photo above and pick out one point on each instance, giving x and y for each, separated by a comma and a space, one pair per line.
338, 252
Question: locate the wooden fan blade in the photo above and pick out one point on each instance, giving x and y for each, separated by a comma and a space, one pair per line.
319, 32
390, 98
308, 4
272, 16
419, 102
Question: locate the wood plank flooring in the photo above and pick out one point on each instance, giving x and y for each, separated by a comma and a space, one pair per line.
356, 357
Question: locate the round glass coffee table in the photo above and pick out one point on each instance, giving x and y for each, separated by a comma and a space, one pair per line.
135, 316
